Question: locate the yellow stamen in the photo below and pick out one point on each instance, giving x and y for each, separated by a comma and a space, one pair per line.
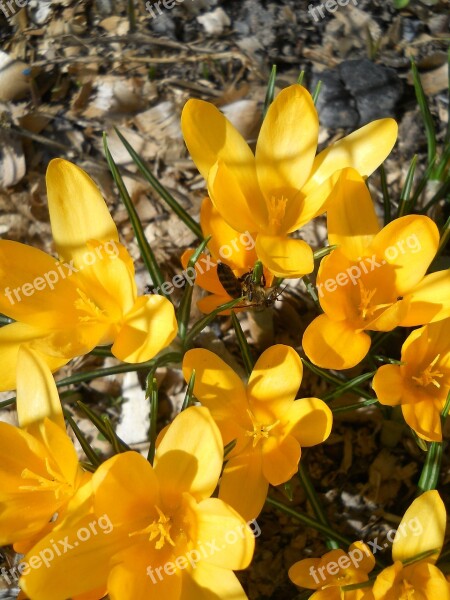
277, 210
366, 298
44, 484
428, 375
86, 305
260, 431
160, 528
407, 591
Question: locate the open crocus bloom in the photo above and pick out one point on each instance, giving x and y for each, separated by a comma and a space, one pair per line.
334, 570
168, 539
422, 530
375, 279
420, 385
233, 248
65, 308
268, 424
281, 187
41, 479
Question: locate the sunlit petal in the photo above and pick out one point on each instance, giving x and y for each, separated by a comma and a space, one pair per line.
334, 344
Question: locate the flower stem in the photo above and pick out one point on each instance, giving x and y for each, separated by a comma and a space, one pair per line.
315, 503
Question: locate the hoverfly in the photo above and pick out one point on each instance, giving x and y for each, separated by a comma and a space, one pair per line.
256, 295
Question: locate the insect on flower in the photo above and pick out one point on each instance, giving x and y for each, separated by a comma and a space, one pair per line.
255, 293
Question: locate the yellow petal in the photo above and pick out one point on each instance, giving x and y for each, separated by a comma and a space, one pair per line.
421, 529
352, 221
136, 578
37, 395
409, 244
108, 277
285, 257
287, 142
242, 209
227, 244
206, 272
70, 573
280, 459
62, 454
208, 582
274, 382
309, 421
210, 303
130, 477
210, 136
388, 385
217, 386
302, 208
38, 289
423, 416
11, 338
429, 580
235, 541
78, 212
149, 327
363, 150
428, 301
244, 472
334, 344
189, 457
300, 573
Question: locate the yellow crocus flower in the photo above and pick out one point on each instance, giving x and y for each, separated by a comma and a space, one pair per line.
66, 307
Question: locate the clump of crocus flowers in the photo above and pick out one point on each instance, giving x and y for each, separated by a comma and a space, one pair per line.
176, 521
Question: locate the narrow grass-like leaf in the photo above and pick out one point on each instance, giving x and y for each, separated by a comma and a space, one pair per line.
426, 114
228, 448
318, 254
312, 291
257, 273
309, 522
301, 77
104, 426
443, 165
421, 185
313, 499
406, 191
431, 469
152, 393
350, 407
87, 448
189, 395
202, 323
386, 197
353, 383
445, 236
316, 92
146, 252
184, 310
246, 353
336, 380
442, 192
131, 15
118, 444
5, 320
270, 90
161, 190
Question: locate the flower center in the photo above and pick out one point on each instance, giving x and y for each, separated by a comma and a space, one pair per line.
260, 431
92, 312
407, 591
277, 210
45, 484
367, 295
159, 529
429, 375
